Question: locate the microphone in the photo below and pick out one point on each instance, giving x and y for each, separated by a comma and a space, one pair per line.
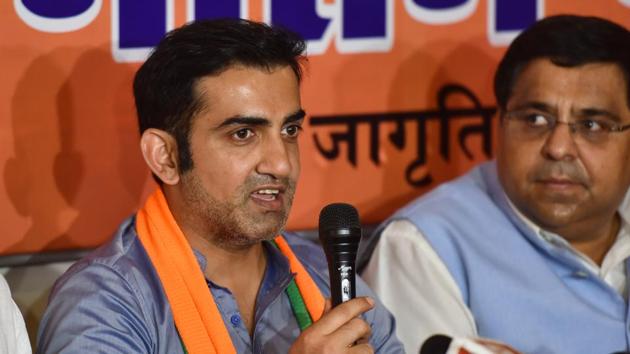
436, 344
441, 344
340, 234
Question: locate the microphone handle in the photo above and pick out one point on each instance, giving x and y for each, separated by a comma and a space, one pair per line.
342, 280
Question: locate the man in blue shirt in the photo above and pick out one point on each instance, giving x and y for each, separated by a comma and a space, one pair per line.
200, 267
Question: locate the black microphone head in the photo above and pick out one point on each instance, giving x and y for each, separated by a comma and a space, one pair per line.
338, 216
436, 344
340, 229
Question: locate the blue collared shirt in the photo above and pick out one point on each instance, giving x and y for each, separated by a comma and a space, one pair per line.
112, 301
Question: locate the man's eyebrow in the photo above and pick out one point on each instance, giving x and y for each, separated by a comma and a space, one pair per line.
590, 112
259, 121
294, 117
241, 120
541, 106
582, 112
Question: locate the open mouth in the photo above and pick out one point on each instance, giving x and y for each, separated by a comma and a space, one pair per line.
266, 194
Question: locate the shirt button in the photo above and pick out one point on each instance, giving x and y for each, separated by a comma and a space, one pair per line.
235, 319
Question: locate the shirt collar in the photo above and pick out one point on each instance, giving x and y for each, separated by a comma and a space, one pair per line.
619, 251
277, 269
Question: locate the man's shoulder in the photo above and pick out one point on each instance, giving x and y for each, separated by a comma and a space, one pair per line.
123, 258
113, 293
466, 191
444, 212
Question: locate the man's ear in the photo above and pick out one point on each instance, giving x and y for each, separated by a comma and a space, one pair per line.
159, 150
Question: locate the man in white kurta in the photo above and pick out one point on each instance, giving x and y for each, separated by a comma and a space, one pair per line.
533, 248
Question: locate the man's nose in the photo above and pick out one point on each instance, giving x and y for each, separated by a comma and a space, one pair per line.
275, 158
560, 143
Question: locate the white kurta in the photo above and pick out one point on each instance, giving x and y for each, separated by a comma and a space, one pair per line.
13, 335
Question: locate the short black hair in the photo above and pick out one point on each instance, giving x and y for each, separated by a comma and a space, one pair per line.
164, 86
568, 41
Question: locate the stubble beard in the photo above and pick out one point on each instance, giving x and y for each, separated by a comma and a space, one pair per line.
227, 224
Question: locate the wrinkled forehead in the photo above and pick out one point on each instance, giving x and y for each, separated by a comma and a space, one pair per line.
597, 85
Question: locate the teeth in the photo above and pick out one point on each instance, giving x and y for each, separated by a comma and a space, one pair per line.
268, 191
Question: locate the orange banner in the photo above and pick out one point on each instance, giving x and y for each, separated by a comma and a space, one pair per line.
398, 93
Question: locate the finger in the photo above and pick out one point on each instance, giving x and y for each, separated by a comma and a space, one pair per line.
364, 339
327, 305
364, 348
343, 313
352, 332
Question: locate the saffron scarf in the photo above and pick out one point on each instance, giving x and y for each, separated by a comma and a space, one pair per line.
195, 313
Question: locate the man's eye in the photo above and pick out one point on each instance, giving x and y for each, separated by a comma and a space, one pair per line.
292, 130
243, 134
536, 120
592, 126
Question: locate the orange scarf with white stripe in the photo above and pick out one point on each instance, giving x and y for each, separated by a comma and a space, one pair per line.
196, 315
